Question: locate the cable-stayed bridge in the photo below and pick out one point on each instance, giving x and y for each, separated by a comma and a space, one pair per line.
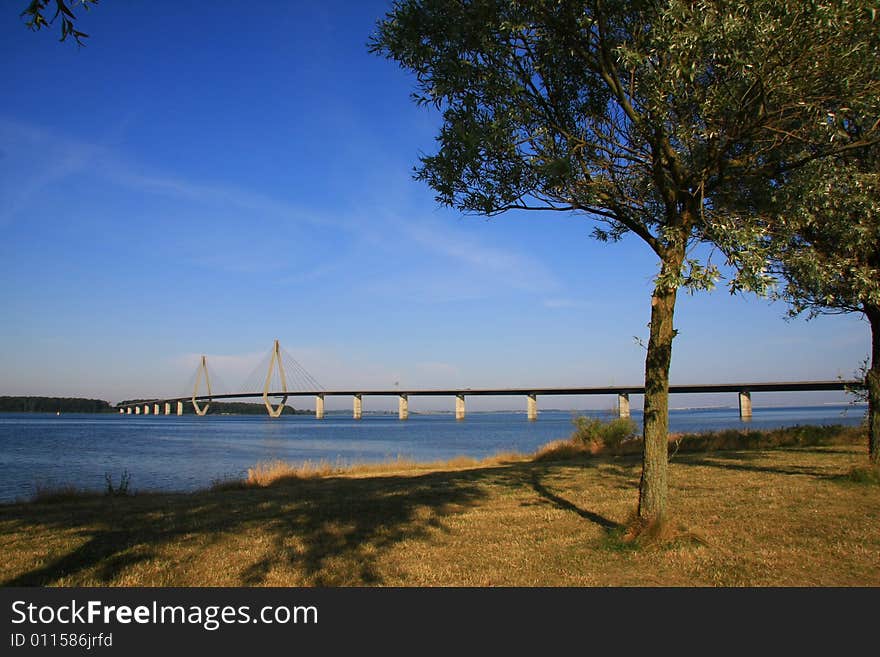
280, 376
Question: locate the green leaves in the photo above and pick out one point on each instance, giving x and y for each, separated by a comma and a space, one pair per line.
35, 13
649, 118
829, 249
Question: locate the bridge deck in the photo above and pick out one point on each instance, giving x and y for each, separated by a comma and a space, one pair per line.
780, 386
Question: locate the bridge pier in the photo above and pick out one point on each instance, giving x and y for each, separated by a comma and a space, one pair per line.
745, 405
155, 409
459, 407
128, 411
623, 404
403, 407
146, 409
532, 405
167, 408
277, 411
319, 407
137, 410
180, 408
358, 407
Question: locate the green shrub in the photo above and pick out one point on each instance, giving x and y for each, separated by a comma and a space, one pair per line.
117, 491
593, 431
864, 474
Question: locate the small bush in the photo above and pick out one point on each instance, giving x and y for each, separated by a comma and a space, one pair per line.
562, 450
117, 491
598, 434
865, 474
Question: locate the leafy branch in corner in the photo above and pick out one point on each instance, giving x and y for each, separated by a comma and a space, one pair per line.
36, 15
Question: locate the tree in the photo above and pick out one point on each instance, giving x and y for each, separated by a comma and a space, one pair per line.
821, 232
36, 12
632, 113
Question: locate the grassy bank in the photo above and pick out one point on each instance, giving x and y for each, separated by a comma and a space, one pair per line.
785, 513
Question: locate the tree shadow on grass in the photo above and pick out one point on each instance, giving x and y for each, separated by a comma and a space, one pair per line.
564, 504
329, 531
309, 523
739, 461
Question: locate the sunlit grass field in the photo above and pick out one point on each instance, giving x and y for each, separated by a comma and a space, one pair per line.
764, 516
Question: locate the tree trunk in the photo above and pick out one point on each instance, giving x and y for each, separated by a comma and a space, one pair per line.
872, 385
655, 454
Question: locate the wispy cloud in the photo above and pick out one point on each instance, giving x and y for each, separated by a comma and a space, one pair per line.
563, 302
268, 223
22, 141
259, 206
516, 269
57, 157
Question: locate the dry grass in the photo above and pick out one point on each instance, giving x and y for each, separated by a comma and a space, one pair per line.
787, 516
268, 473
50, 494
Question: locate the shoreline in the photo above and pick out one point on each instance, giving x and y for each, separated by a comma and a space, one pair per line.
187, 455
263, 473
741, 519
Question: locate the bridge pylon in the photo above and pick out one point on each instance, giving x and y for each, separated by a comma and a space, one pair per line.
203, 369
276, 358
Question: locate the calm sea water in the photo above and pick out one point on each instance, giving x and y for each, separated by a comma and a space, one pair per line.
185, 453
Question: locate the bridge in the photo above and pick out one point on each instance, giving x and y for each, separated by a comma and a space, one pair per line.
294, 381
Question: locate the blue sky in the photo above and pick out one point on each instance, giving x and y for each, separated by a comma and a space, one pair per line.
200, 181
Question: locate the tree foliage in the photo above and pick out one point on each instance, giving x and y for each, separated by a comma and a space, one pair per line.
824, 233
635, 113
53, 405
640, 115
37, 10
829, 253
816, 226
819, 232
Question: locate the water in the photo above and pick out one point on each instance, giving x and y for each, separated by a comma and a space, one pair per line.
173, 453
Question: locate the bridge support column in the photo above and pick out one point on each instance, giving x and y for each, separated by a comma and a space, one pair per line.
203, 369
623, 404
122, 411
167, 408
137, 410
155, 409
403, 407
745, 405
459, 407
128, 411
180, 408
532, 404
358, 407
276, 357
146, 409
319, 407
